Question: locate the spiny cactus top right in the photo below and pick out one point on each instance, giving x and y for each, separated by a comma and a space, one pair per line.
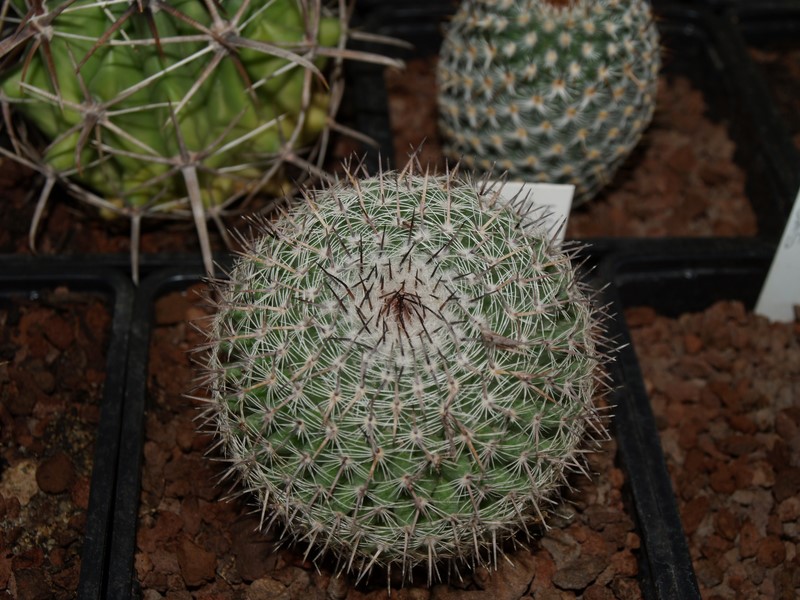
556, 91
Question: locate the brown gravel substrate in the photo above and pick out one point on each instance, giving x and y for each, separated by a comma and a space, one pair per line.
192, 543
52, 367
680, 181
725, 387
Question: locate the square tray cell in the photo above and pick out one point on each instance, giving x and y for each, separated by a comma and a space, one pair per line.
702, 170
63, 342
723, 384
174, 528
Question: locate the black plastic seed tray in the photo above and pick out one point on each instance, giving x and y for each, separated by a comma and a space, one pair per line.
672, 283
675, 281
698, 45
418, 27
713, 5
365, 8
774, 26
29, 278
665, 569
121, 582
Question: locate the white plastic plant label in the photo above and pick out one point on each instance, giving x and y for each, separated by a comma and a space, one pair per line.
551, 201
780, 295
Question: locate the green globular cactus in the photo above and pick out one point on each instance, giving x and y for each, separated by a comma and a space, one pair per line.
403, 370
548, 90
179, 109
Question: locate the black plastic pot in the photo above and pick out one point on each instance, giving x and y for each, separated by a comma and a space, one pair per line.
30, 277
699, 45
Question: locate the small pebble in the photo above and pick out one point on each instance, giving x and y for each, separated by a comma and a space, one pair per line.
55, 474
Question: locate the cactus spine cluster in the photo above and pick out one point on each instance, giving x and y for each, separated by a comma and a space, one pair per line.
402, 370
170, 109
548, 90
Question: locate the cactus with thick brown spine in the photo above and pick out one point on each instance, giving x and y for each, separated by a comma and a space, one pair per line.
179, 109
548, 90
403, 370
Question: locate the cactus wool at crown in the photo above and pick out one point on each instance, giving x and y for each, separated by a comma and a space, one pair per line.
402, 371
548, 90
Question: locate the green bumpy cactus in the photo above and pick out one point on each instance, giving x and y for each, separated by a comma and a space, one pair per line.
403, 370
170, 109
556, 91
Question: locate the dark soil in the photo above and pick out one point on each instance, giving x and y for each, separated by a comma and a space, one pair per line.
725, 387
780, 64
680, 181
193, 542
52, 368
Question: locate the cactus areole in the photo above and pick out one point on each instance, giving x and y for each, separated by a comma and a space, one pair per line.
403, 371
548, 90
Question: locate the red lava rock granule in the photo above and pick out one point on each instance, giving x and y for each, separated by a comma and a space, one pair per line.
194, 543
52, 367
680, 181
725, 388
